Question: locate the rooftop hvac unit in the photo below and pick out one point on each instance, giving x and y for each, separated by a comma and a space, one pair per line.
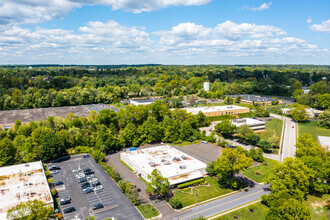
183, 167
152, 164
176, 158
184, 157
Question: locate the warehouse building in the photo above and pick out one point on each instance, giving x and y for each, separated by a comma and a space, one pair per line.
218, 110
173, 164
146, 101
251, 99
254, 124
22, 183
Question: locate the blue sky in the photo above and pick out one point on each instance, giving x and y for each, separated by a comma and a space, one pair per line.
164, 31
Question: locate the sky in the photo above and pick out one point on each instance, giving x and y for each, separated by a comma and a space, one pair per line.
96, 32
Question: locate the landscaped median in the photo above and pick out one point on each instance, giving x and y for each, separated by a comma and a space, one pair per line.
145, 211
260, 172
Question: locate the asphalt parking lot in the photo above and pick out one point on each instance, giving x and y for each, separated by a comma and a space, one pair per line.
116, 204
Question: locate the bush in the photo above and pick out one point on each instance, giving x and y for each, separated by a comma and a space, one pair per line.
191, 183
50, 181
176, 203
53, 191
48, 173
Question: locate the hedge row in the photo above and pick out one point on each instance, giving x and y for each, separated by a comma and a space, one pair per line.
191, 183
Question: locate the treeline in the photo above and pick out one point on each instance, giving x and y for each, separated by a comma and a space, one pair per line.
99, 133
48, 86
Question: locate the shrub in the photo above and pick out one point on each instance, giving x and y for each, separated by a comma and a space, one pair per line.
191, 183
48, 173
176, 203
50, 181
53, 191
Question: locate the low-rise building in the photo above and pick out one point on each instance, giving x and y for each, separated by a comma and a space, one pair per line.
313, 113
146, 101
171, 163
251, 99
254, 124
286, 110
22, 183
218, 110
324, 141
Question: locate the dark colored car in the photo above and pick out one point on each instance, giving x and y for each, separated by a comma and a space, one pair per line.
88, 172
58, 183
70, 209
96, 183
98, 206
85, 185
88, 191
82, 180
86, 156
53, 168
65, 201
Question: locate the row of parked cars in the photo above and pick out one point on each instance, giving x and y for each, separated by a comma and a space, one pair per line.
89, 183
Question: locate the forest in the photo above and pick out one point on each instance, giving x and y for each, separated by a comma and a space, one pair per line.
22, 87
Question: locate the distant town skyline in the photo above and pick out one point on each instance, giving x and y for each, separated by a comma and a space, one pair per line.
164, 32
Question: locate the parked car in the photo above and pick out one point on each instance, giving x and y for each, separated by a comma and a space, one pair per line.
93, 180
55, 172
87, 188
82, 180
65, 201
204, 142
76, 170
53, 168
292, 126
96, 183
80, 175
65, 198
86, 156
87, 170
52, 165
91, 176
85, 185
98, 206
127, 181
88, 191
97, 188
58, 183
89, 173
70, 209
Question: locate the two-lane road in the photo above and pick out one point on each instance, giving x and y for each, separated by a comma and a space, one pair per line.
289, 137
224, 204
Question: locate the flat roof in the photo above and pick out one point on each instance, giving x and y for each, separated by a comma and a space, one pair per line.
21, 183
249, 122
256, 98
214, 108
162, 157
146, 100
324, 141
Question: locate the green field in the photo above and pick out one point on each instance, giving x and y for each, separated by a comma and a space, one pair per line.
310, 127
204, 192
265, 170
273, 127
317, 207
145, 210
260, 212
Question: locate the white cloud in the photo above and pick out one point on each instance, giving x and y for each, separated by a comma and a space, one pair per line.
13, 12
324, 27
309, 20
262, 7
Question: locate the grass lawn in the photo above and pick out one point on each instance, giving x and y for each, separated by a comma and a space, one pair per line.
145, 210
204, 192
265, 170
260, 212
317, 207
310, 127
272, 127
186, 143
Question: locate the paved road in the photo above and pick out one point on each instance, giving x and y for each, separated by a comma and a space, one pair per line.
224, 204
289, 139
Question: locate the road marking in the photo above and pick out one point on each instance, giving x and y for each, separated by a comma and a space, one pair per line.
220, 205
106, 208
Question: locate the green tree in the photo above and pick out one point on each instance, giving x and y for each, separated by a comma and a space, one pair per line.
158, 184
228, 100
52, 147
7, 152
299, 113
265, 145
230, 162
225, 127
324, 119
17, 124
31, 210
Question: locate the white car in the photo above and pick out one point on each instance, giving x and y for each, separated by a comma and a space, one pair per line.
90, 176
55, 172
92, 180
76, 171
97, 188
80, 175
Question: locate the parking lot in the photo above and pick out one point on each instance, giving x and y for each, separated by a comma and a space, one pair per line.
116, 204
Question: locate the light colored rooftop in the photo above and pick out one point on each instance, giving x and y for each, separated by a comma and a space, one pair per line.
249, 122
161, 158
21, 183
324, 141
214, 108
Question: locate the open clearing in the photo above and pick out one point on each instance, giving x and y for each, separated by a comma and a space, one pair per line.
310, 127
